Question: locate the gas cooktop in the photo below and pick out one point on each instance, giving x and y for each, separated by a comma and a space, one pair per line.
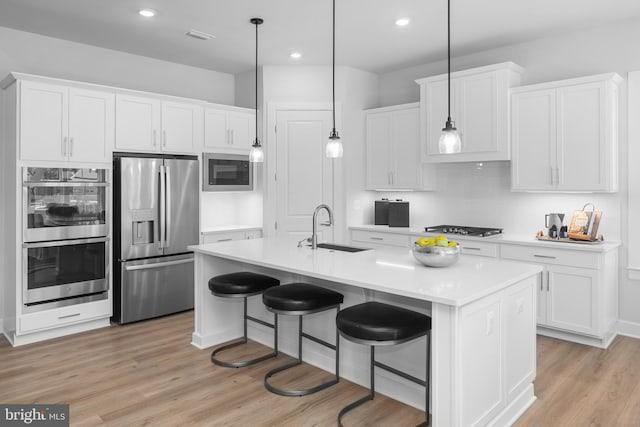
464, 230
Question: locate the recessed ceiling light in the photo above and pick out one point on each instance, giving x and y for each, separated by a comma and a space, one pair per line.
147, 13
296, 55
402, 22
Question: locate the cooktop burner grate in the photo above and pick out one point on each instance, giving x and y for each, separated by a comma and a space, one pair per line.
464, 230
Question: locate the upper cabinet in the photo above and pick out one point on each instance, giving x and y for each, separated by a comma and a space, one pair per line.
151, 124
60, 123
565, 135
393, 148
229, 129
479, 108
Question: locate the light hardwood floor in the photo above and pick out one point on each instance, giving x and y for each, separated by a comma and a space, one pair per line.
147, 373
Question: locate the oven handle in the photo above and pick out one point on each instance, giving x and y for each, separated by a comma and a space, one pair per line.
65, 184
64, 242
157, 264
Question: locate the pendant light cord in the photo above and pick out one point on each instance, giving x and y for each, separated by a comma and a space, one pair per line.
257, 81
333, 75
449, 61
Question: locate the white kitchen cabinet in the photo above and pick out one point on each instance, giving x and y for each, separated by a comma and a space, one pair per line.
479, 108
61, 123
577, 293
229, 235
230, 129
147, 124
565, 135
373, 239
393, 148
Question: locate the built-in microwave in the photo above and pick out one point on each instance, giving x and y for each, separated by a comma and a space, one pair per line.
226, 172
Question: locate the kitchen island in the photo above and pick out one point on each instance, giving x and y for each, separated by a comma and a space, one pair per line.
483, 319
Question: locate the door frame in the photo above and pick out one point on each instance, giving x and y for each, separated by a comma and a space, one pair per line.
269, 196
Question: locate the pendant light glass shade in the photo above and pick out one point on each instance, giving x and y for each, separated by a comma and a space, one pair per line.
449, 139
449, 142
256, 155
334, 144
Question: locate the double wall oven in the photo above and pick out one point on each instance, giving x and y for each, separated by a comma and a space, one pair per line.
65, 237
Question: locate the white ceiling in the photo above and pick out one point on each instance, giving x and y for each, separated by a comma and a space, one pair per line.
366, 36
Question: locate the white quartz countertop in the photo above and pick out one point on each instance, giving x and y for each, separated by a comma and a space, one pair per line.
391, 270
505, 238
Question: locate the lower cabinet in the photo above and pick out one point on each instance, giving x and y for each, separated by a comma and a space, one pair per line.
63, 316
577, 294
229, 235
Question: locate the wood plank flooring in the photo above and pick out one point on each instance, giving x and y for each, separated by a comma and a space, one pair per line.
147, 373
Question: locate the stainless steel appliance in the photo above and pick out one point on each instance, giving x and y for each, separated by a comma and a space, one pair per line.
464, 230
226, 172
64, 203
65, 249
553, 222
156, 218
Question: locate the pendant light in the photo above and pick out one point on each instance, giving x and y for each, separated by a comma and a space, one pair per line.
256, 155
334, 145
450, 138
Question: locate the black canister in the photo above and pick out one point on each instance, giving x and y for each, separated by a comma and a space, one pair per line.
381, 212
398, 213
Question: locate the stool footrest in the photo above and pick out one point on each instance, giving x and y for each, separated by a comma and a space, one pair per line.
301, 392
354, 405
241, 363
401, 374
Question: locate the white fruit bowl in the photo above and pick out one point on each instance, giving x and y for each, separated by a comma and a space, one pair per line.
436, 256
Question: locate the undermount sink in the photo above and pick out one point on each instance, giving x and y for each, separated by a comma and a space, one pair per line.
343, 248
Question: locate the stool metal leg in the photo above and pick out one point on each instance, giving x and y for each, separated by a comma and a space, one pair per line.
298, 361
427, 379
243, 340
372, 389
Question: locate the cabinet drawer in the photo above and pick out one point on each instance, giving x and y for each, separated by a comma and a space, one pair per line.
551, 256
253, 234
225, 236
378, 238
479, 248
64, 316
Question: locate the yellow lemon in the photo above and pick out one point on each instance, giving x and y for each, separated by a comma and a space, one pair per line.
453, 243
422, 241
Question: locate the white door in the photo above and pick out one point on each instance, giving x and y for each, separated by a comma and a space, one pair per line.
178, 127
304, 174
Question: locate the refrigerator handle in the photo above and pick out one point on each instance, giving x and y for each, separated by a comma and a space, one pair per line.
162, 206
167, 233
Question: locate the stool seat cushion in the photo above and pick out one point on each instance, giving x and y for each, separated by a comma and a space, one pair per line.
376, 321
300, 297
240, 283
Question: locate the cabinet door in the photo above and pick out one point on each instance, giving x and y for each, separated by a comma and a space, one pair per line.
405, 144
179, 127
91, 125
43, 121
379, 140
477, 109
572, 299
582, 156
533, 136
241, 130
436, 103
216, 133
137, 123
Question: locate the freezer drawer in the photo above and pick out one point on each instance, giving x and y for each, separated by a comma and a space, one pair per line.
154, 287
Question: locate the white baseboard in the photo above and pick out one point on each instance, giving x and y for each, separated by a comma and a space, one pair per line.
59, 332
629, 329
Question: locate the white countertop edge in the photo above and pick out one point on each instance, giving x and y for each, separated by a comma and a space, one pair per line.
210, 250
515, 239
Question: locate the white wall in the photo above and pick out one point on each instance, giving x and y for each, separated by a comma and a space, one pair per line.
34, 54
482, 197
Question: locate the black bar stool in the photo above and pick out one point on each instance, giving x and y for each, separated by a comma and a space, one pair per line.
374, 323
298, 299
243, 285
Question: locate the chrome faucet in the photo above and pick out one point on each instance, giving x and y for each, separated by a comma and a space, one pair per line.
314, 237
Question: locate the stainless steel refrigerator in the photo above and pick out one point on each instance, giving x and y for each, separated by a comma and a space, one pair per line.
155, 219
